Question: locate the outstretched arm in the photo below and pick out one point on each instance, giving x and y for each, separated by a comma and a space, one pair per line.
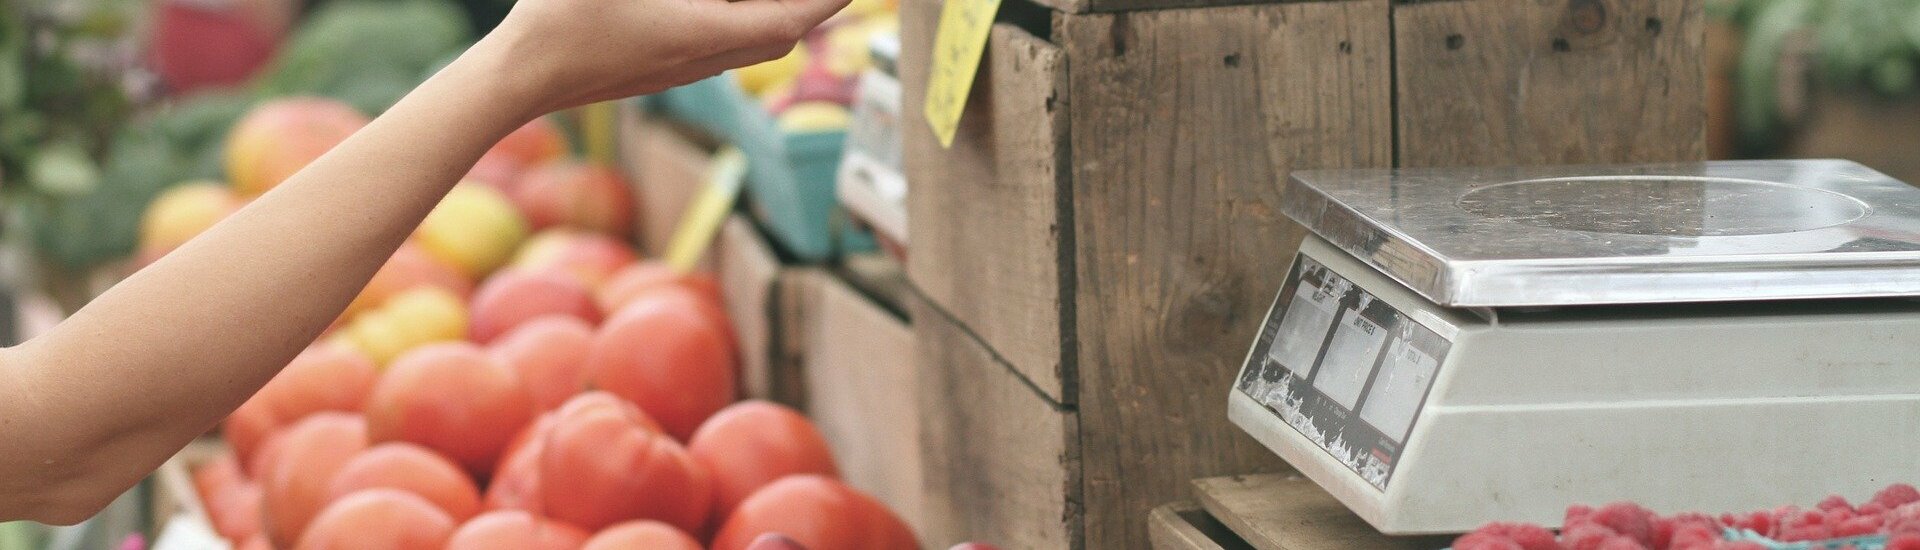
94, 405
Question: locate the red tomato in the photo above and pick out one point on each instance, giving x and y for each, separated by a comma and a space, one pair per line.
310, 452
247, 429
410, 468
651, 535
511, 298
452, 398
221, 472
752, 443
235, 510
379, 519
516, 483
257, 542
602, 464
632, 281
663, 355
550, 355
818, 512
774, 541
515, 530
575, 194
592, 257
322, 378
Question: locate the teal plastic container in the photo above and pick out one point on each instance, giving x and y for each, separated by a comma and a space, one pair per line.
791, 178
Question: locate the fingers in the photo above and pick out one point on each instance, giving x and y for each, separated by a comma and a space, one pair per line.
771, 22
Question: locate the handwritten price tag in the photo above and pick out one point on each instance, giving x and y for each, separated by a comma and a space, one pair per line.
957, 46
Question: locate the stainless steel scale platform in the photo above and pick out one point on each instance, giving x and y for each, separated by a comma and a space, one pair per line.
1458, 346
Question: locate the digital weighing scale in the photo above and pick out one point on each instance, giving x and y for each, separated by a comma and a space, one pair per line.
1458, 346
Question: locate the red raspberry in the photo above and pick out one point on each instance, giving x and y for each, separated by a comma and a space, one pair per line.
1858, 526
1904, 542
1834, 502
1622, 543
1808, 518
1485, 541
1872, 509
1529, 536
1835, 516
1627, 519
1664, 529
1586, 536
1693, 535
1804, 533
1578, 513
1896, 495
1742, 545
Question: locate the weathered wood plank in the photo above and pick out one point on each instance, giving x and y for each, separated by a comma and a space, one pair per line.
1185, 526
862, 392
1281, 512
748, 272
1184, 124
1000, 464
984, 215
1550, 82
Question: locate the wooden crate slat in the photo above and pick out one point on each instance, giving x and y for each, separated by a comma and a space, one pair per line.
1186, 526
998, 464
862, 392
1184, 123
1283, 512
1485, 82
990, 257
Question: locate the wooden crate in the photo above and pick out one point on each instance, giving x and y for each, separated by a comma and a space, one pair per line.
667, 166
857, 361
1106, 227
767, 307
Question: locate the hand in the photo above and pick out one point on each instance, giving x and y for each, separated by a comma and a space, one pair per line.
565, 53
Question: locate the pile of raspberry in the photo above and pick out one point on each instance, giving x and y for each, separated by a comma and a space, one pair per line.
1894, 512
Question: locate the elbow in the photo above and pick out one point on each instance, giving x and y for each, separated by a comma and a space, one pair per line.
69, 510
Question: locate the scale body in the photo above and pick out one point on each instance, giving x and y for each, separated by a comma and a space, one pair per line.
1458, 346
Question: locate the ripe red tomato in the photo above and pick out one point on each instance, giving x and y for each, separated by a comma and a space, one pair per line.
235, 510
550, 355
379, 519
603, 465
513, 297
452, 398
752, 443
322, 378
410, 468
651, 535
516, 483
309, 454
818, 512
664, 355
632, 281
516, 530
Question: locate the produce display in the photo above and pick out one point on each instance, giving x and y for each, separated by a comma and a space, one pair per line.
812, 88
513, 377
1890, 520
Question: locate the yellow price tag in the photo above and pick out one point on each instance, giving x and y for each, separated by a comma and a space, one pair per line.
957, 46
702, 218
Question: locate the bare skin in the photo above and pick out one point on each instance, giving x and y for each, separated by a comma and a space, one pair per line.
99, 402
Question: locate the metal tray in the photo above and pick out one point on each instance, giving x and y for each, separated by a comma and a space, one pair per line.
1590, 235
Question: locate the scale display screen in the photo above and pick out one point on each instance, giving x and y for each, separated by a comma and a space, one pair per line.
1345, 369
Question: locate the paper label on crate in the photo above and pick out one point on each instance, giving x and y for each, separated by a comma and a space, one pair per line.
957, 46
1343, 368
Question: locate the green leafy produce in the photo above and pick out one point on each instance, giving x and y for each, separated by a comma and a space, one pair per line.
364, 52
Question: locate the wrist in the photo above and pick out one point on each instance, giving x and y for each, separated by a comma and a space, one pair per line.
485, 75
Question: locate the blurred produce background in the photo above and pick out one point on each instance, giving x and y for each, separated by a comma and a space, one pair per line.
1816, 78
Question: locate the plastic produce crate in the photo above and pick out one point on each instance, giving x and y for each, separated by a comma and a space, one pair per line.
790, 177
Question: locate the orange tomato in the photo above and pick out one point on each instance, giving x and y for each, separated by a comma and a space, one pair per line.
752, 443
818, 512
257, 542
410, 468
535, 142
602, 465
516, 530
550, 355
220, 473
664, 355
513, 297
309, 454
379, 519
248, 427
452, 398
651, 535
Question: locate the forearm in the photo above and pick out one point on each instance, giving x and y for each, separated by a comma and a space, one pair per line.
164, 355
